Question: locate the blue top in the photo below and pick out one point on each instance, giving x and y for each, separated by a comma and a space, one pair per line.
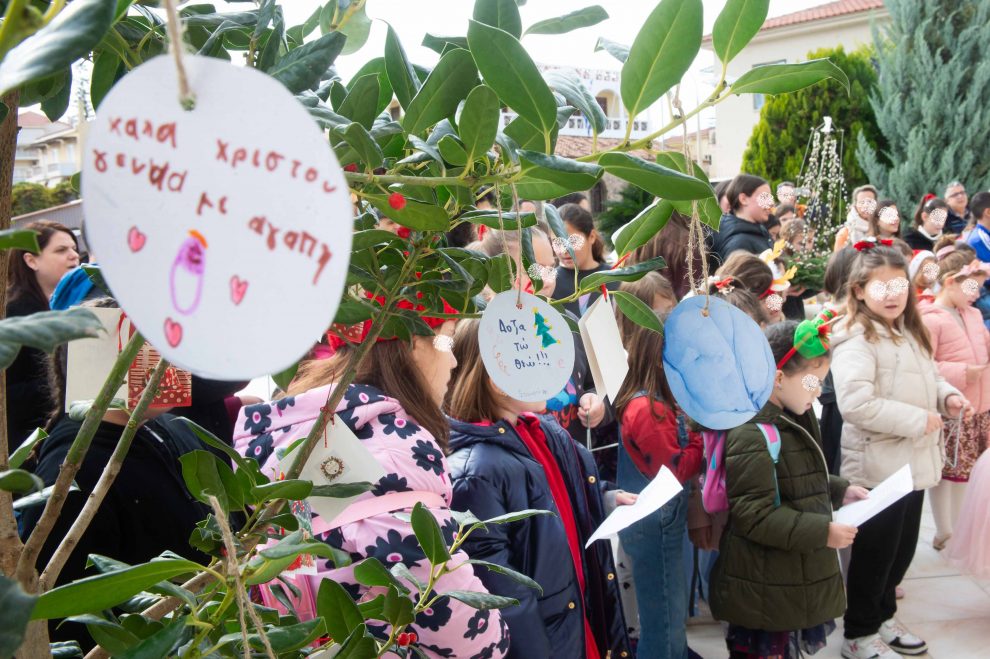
72, 289
979, 239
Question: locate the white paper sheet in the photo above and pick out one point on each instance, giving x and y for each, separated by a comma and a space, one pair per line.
659, 491
603, 344
881, 497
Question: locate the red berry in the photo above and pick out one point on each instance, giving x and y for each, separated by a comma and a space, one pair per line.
350, 168
403, 232
396, 201
403, 640
412, 637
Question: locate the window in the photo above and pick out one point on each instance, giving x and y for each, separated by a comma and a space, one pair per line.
759, 99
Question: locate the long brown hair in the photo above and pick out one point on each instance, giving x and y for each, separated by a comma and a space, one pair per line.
389, 366
672, 243
651, 285
862, 270
748, 271
22, 280
645, 348
471, 396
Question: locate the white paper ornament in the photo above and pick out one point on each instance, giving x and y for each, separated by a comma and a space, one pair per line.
225, 231
527, 349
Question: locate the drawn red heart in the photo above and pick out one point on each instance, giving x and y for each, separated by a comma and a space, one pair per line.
238, 287
135, 239
173, 332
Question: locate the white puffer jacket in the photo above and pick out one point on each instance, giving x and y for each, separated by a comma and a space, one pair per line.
885, 391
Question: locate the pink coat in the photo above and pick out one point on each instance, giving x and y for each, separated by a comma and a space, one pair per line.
957, 347
412, 461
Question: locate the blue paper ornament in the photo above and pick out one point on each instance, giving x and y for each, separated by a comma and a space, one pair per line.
719, 366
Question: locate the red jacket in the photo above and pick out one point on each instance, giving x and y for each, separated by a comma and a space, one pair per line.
652, 443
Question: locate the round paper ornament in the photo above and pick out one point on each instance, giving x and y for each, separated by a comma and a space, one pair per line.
527, 348
719, 367
224, 231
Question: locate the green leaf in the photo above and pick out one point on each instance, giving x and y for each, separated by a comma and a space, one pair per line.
19, 239
656, 179
508, 69
401, 74
55, 105
637, 311
371, 572
478, 122
302, 67
357, 28
736, 25
159, 644
266, 13
284, 378
428, 535
575, 20
18, 457
661, 53
503, 14
15, 613
397, 609
629, 273
785, 78
360, 104
527, 137
375, 66
351, 311
440, 45
452, 151
70, 35
244, 464
415, 215
66, 650
206, 475
570, 174
490, 219
447, 85
45, 331
512, 574
293, 490
336, 607
576, 93
642, 228
106, 67
501, 273
359, 139
483, 601
516, 516
617, 50
103, 591
358, 645
401, 571
20, 481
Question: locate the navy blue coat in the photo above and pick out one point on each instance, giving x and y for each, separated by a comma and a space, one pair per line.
493, 474
736, 234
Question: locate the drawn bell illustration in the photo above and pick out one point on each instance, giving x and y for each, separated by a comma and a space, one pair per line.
186, 278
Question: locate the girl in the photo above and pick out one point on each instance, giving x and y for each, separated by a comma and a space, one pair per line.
589, 257
33, 278
654, 291
751, 273
961, 347
885, 223
651, 436
776, 580
928, 222
969, 548
890, 394
505, 458
923, 272
673, 244
394, 409
859, 221
744, 226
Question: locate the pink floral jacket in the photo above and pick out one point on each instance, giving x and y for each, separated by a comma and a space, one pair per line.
412, 461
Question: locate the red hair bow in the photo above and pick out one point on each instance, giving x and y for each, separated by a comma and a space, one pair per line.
723, 283
340, 335
928, 197
871, 243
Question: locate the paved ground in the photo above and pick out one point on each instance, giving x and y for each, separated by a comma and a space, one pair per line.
949, 610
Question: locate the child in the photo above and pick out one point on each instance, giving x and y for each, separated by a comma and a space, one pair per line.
589, 258
777, 580
654, 291
890, 394
961, 345
969, 548
923, 273
651, 437
750, 272
504, 458
928, 222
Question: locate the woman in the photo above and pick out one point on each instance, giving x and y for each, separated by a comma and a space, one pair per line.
862, 212
928, 222
506, 458
33, 278
589, 257
393, 407
744, 226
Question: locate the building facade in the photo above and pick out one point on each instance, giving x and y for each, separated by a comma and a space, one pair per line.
47, 152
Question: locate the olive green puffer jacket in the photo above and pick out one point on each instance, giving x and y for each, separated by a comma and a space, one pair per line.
774, 571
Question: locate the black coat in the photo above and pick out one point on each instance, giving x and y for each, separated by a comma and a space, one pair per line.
956, 223
917, 240
29, 398
738, 234
493, 473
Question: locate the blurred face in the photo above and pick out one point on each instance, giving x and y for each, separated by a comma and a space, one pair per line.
956, 197
796, 392
582, 251
57, 258
866, 203
434, 358
755, 207
785, 194
886, 293
961, 293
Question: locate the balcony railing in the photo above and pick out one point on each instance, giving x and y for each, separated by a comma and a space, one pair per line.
579, 126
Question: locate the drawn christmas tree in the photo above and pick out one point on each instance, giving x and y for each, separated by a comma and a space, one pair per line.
543, 329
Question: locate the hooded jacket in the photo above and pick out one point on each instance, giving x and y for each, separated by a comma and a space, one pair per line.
774, 571
885, 391
957, 346
738, 234
494, 474
412, 461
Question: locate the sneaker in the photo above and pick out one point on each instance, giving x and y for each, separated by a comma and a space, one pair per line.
867, 647
900, 639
